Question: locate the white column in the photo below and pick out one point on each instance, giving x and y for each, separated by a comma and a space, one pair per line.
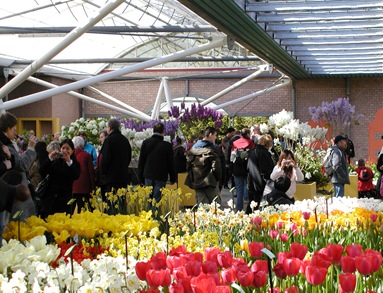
157, 102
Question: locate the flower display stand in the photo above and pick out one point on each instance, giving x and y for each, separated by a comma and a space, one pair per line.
186, 201
350, 190
305, 191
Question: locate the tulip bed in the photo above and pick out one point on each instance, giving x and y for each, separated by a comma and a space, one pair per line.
320, 245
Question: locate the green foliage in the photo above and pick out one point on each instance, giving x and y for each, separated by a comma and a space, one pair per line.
310, 162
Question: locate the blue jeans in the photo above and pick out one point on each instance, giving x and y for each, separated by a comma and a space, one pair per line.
338, 190
157, 185
241, 191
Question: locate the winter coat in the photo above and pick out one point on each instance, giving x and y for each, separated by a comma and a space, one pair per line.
116, 156
85, 183
339, 164
156, 160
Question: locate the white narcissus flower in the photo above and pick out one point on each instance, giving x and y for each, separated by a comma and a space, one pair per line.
94, 131
264, 128
81, 120
71, 129
102, 124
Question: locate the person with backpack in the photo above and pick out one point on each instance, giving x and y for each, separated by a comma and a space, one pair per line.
240, 150
204, 168
339, 167
277, 194
260, 165
365, 176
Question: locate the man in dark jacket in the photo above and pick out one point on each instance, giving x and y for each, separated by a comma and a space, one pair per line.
238, 162
116, 156
205, 168
156, 163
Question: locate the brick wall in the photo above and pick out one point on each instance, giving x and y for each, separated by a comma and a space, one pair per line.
365, 94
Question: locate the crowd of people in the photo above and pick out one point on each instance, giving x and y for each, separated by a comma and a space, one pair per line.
244, 160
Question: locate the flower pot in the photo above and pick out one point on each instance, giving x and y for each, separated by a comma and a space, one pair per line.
350, 190
305, 191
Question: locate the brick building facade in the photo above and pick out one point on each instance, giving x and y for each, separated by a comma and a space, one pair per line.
364, 93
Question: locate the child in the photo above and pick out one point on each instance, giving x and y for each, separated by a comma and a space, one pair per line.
278, 192
365, 175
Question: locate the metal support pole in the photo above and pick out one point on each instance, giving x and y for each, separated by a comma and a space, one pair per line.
130, 108
109, 75
157, 103
69, 39
168, 96
89, 99
258, 93
234, 86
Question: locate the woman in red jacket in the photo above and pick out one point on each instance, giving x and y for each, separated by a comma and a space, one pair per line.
84, 185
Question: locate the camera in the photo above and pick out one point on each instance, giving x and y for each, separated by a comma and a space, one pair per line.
286, 162
59, 154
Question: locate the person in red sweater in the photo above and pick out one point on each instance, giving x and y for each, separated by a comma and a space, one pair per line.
365, 176
85, 184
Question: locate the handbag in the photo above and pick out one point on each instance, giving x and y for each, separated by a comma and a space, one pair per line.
42, 187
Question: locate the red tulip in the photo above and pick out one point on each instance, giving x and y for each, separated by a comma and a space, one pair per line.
175, 261
185, 282
354, 250
284, 237
304, 264
280, 225
347, 282
260, 265
275, 290
225, 259
298, 250
178, 250
273, 234
256, 221
306, 215
211, 254
363, 264
373, 217
292, 289
320, 260
228, 276
245, 278
283, 255
158, 261
193, 268
292, 266
348, 264
156, 278
260, 279
279, 271
176, 288
238, 262
151, 290
334, 251
223, 289
255, 249
203, 284
209, 267
376, 260
141, 269
180, 273
315, 275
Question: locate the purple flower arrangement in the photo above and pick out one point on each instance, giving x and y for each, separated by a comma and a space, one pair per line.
339, 113
171, 126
